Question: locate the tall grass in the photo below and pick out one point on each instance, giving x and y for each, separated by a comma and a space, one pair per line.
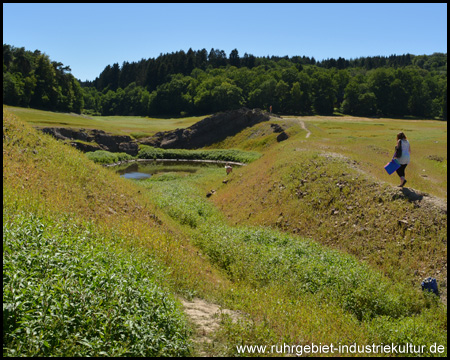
69, 292
151, 153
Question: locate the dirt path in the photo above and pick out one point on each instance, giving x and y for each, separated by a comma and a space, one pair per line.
205, 318
302, 124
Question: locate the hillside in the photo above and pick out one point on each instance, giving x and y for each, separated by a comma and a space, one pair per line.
92, 230
314, 186
326, 197
209, 130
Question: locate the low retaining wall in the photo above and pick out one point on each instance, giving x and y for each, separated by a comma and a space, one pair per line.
175, 160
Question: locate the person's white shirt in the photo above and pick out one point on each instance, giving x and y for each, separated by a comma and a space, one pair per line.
405, 158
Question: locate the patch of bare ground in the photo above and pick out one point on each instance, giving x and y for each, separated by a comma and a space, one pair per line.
205, 317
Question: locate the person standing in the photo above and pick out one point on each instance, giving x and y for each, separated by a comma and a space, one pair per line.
402, 154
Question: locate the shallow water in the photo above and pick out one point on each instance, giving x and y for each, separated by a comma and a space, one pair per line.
144, 170
135, 175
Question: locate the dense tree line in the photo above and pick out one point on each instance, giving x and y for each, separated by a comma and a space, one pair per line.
202, 82
31, 79
198, 82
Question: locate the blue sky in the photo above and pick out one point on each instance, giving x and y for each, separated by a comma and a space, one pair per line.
88, 37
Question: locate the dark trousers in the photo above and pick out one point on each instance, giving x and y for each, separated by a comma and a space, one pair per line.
401, 170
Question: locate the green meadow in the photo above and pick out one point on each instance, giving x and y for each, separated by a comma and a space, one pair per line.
310, 242
135, 126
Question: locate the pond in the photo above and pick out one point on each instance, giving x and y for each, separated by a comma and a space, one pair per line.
143, 170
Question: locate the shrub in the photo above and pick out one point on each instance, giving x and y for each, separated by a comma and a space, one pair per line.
148, 152
106, 157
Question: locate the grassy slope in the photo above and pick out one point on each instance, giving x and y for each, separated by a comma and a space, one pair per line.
290, 285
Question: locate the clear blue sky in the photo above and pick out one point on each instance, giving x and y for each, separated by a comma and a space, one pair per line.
88, 37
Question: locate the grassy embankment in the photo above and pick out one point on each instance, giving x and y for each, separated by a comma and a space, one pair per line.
82, 255
298, 291
292, 290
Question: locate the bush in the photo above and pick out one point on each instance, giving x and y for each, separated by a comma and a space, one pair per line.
106, 157
148, 152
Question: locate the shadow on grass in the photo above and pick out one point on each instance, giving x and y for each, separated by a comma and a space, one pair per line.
411, 194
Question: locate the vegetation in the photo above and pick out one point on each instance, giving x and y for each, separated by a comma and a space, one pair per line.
151, 153
295, 271
263, 256
68, 291
31, 79
106, 157
136, 126
148, 152
235, 248
397, 86
199, 83
73, 285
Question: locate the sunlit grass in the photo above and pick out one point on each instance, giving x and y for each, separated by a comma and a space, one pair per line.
68, 291
137, 126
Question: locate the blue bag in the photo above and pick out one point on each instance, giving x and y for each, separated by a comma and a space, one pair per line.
392, 166
430, 284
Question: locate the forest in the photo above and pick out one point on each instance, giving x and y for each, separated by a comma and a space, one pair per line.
198, 83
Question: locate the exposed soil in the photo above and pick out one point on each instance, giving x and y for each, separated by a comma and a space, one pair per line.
209, 130
205, 317
92, 140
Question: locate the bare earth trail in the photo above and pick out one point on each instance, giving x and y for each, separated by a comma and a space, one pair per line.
302, 124
205, 317
299, 121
